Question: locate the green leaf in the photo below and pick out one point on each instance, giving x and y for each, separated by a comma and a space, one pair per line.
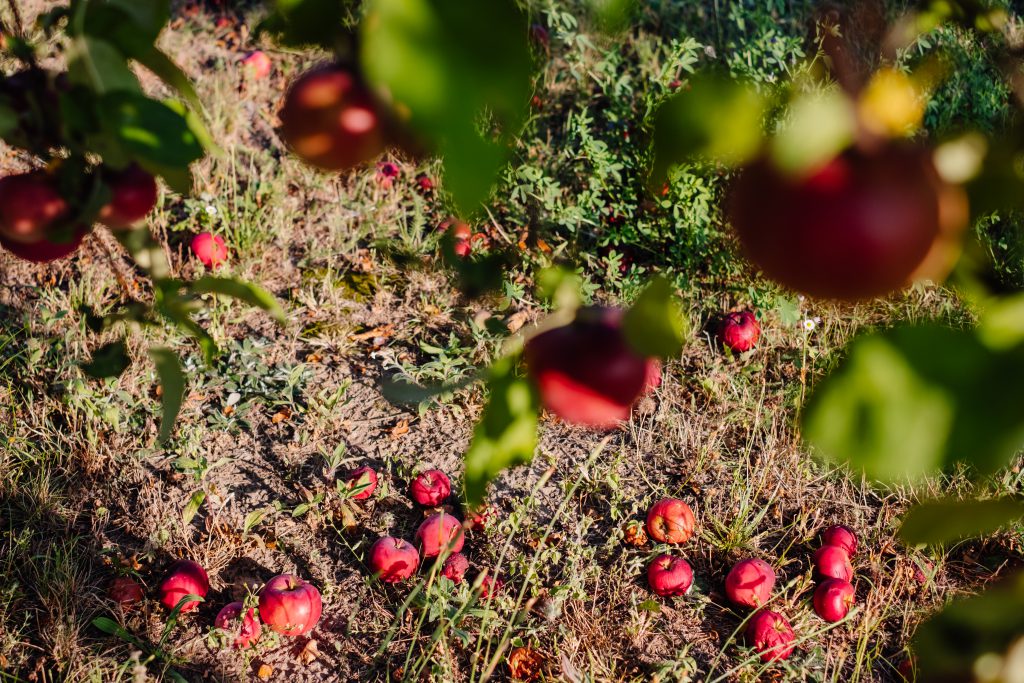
196, 125
655, 325
717, 118
150, 130
457, 69
1002, 322
506, 434
243, 291
613, 15
192, 507
943, 521
111, 627
171, 74
110, 360
819, 126
172, 381
298, 23
8, 121
146, 250
100, 66
142, 21
911, 401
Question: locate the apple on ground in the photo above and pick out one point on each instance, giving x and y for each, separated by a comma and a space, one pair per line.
455, 567
290, 605
770, 635
133, 195
670, 575
438, 533
184, 577
362, 482
246, 630
430, 488
209, 249
670, 520
841, 537
387, 173
257, 64
490, 584
833, 599
739, 331
833, 562
29, 205
479, 520
750, 583
125, 590
393, 559
586, 372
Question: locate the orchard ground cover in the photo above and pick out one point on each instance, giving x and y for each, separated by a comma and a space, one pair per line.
248, 485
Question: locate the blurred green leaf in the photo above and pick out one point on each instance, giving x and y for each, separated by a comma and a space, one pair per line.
297, 23
819, 125
911, 401
243, 291
561, 287
150, 130
613, 15
142, 20
146, 250
8, 121
110, 360
1002, 322
172, 383
654, 325
100, 66
171, 74
506, 434
460, 72
196, 125
715, 118
943, 521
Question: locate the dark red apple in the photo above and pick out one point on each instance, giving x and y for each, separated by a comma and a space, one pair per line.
670, 575
480, 519
424, 183
393, 559
670, 520
29, 205
45, 250
430, 488
257, 64
750, 583
770, 635
209, 249
184, 577
739, 331
330, 120
490, 585
833, 562
290, 605
833, 599
857, 227
387, 173
455, 567
438, 533
586, 372
246, 630
841, 537
125, 590
133, 195
462, 248
362, 482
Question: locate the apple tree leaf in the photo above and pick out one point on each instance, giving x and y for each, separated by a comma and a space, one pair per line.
654, 324
172, 382
254, 295
943, 521
110, 360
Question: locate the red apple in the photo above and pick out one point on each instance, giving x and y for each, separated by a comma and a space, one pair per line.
132, 196
490, 585
669, 575
833, 562
125, 591
257, 64
209, 249
290, 605
455, 567
770, 635
833, 599
330, 120
424, 183
653, 375
430, 488
740, 331
439, 532
462, 248
750, 583
670, 520
857, 227
184, 577
246, 630
29, 205
387, 172
841, 537
363, 482
586, 372
45, 250
393, 559
480, 519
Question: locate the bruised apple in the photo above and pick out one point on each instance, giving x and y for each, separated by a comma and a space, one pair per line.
670, 575
393, 559
750, 583
670, 520
438, 533
362, 482
455, 567
430, 488
184, 577
125, 590
290, 605
770, 635
245, 629
586, 372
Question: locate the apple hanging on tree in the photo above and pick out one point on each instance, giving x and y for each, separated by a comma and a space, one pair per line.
133, 195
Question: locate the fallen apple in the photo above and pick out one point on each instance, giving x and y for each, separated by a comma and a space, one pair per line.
209, 249
133, 195
290, 605
455, 567
29, 205
833, 562
125, 590
257, 64
770, 635
246, 630
750, 583
833, 599
479, 520
184, 577
45, 250
841, 537
670, 575
393, 559
362, 483
670, 520
438, 533
490, 585
330, 120
387, 173
430, 488
586, 372
739, 331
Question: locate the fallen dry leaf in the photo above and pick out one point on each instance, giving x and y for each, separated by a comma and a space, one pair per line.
525, 664
281, 415
309, 653
265, 672
400, 429
634, 534
379, 331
